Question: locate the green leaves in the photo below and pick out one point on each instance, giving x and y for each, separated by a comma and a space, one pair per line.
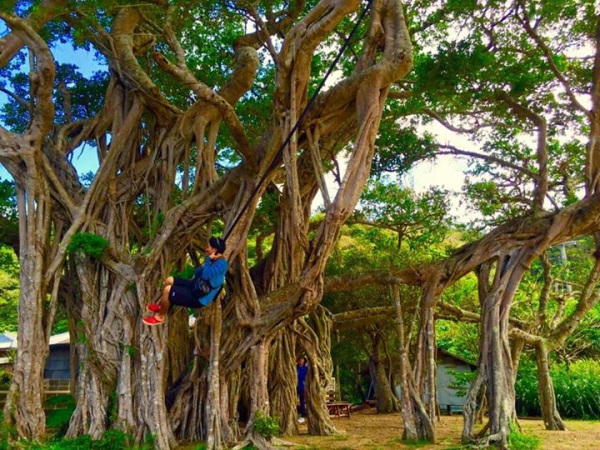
266, 426
399, 148
417, 218
576, 387
88, 244
9, 289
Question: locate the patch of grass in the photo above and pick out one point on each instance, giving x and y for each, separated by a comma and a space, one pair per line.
414, 444
79, 443
340, 437
581, 425
193, 446
521, 441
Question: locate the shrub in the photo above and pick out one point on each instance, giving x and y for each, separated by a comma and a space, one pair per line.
114, 439
5, 378
88, 244
59, 416
79, 443
266, 426
6, 434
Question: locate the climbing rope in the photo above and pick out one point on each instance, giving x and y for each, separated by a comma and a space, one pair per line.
277, 159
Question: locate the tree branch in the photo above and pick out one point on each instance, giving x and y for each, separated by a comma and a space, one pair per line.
16, 98
275, 24
42, 78
9, 145
541, 179
501, 162
525, 21
125, 64
40, 15
207, 95
451, 127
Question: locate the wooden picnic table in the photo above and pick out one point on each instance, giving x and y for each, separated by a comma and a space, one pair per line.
339, 409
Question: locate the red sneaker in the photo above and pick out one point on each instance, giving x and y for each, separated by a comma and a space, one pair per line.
152, 320
153, 307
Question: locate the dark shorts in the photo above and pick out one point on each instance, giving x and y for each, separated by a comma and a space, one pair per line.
181, 294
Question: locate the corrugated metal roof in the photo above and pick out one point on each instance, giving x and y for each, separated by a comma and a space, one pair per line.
61, 338
8, 340
460, 358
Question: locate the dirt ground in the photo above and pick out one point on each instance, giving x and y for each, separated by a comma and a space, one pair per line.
368, 430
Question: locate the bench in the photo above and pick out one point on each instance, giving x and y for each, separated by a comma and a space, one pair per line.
51, 388
454, 409
339, 409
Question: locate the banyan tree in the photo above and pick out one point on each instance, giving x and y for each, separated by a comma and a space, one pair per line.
210, 117
199, 99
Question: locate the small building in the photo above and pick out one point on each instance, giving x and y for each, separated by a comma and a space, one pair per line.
56, 372
447, 365
58, 362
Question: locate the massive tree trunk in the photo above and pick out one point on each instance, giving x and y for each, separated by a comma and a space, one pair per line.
259, 395
23, 157
314, 337
99, 358
419, 385
23, 408
495, 363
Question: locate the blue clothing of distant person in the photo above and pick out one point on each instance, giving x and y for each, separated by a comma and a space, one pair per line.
180, 292
301, 370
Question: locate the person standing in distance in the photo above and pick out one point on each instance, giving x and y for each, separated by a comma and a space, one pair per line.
301, 369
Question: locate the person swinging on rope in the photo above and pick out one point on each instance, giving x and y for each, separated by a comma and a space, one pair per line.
189, 293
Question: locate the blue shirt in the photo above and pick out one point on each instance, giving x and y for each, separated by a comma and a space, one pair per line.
213, 272
301, 371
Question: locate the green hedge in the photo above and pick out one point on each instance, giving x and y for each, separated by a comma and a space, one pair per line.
577, 390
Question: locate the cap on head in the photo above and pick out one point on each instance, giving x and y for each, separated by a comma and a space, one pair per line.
218, 243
